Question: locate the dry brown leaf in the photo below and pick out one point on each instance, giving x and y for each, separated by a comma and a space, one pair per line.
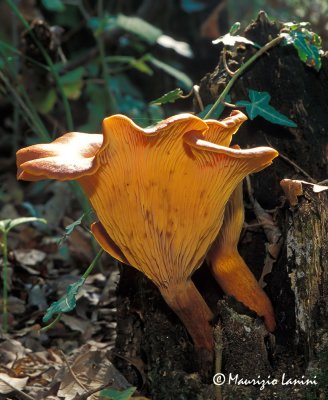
292, 190
29, 257
274, 237
90, 369
13, 383
76, 324
11, 350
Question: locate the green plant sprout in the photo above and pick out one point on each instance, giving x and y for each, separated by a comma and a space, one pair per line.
67, 303
71, 227
5, 227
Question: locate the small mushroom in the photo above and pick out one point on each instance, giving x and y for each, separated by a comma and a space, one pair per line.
159, 194
229, 268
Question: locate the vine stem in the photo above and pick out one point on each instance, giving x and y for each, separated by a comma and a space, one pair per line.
240, 71
93, 264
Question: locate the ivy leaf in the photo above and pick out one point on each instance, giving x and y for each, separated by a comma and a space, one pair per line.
169, 97
306, 42
307, 51
114, 394
231, 40
66, 303
259, 106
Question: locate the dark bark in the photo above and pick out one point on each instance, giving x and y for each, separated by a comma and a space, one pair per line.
155, 345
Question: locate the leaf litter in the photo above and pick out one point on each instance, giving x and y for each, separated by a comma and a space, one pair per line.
72, 360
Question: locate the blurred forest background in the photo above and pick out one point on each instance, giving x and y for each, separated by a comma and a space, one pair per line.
85, 60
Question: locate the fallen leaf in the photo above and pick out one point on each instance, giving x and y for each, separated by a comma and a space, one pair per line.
76, 324
274, 237
13, 383
30, 257
91, 369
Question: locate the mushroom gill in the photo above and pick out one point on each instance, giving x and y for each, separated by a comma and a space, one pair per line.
159, 194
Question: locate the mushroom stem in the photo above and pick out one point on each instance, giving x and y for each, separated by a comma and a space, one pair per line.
235, 278
186, 301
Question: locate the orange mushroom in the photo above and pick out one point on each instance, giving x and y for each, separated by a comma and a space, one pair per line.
159, 194
230, 270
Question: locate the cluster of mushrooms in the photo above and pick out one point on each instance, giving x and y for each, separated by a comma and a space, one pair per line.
166, 198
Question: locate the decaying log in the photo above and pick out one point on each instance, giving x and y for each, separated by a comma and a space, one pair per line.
307, 260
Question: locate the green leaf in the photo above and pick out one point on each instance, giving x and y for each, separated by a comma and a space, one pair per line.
231, 40
144, 30
114, 394
53, 5
141, 66
7, 224
73, 90
139, 27
307, 44
191, 6
97, 97
235, 28
70, 228
169, 97
72, 76
259, 106
66, 303
72, 83
180, 76
46, 102
218, 111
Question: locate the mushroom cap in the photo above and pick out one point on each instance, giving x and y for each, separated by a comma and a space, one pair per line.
159, 193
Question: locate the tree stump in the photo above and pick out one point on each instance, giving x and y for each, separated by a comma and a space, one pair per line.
153, 348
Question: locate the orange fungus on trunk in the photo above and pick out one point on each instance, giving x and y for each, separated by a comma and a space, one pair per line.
159, 194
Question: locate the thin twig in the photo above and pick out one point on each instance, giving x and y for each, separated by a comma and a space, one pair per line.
298, 168
198, 98
77, 380
293, 163
85, 396
229, 104
224, 57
